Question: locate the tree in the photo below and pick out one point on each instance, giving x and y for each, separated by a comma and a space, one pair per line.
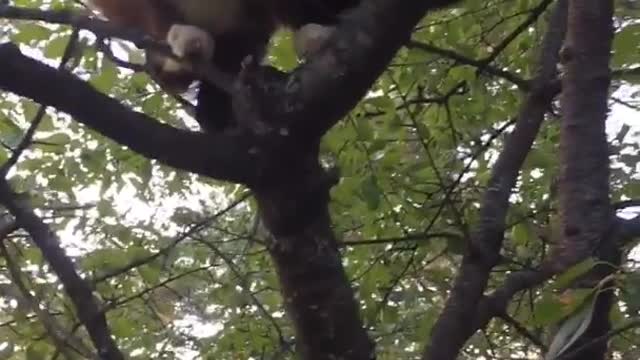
478, 211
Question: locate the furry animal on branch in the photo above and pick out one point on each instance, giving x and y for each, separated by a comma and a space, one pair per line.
223, 32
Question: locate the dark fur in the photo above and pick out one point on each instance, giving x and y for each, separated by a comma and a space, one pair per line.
262, 18
214, 111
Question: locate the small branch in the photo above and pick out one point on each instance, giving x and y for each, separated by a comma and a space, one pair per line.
452, 328
461, 59
78, 290
61, 338
531, 19
409, 238
194, 229
523, 331
27, 139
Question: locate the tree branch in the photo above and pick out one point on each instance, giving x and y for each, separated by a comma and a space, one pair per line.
319, 93
587, 217
629, 228
78, 290
224, 157
63, 340
452, 329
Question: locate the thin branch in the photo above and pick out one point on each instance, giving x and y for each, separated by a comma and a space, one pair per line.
61, 338
452, 329
409, 238
191, 231
522, 330
27, 139
531, 19
77, 288
461, 59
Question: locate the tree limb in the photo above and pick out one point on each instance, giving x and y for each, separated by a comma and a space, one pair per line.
224, 157
78, 290
452, 329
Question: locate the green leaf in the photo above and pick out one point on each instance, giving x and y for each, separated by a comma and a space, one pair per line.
371, 193
56, 139
10, 133
106, 79
522, 233
55, 47
123, 326
28, 33
571, 330
625, 46
574, 272
548, 311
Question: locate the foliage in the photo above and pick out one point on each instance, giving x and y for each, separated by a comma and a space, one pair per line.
414, 157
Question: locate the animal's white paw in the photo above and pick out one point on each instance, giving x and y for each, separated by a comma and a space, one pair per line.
187, 41
310, 38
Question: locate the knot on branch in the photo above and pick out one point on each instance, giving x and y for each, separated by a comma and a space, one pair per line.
256, 93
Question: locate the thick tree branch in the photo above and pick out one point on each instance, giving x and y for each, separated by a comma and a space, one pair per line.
629, 228
584, 180
225, 157
452, 329
293, 200
78, 290
311, 100
588, 219
319, 93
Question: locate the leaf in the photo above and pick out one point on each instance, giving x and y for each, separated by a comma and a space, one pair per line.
371, 193
106, 78
10, 133
364, 130
630, 293
547, 311
625, 45
123, 326
574, 272
54, 143
37, 351
152, 103
55, 47
571, 330
539, 159
282, 52
30, 32
522, 233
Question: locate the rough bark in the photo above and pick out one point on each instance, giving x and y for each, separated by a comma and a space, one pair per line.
281, 166
586, 212
453, 328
